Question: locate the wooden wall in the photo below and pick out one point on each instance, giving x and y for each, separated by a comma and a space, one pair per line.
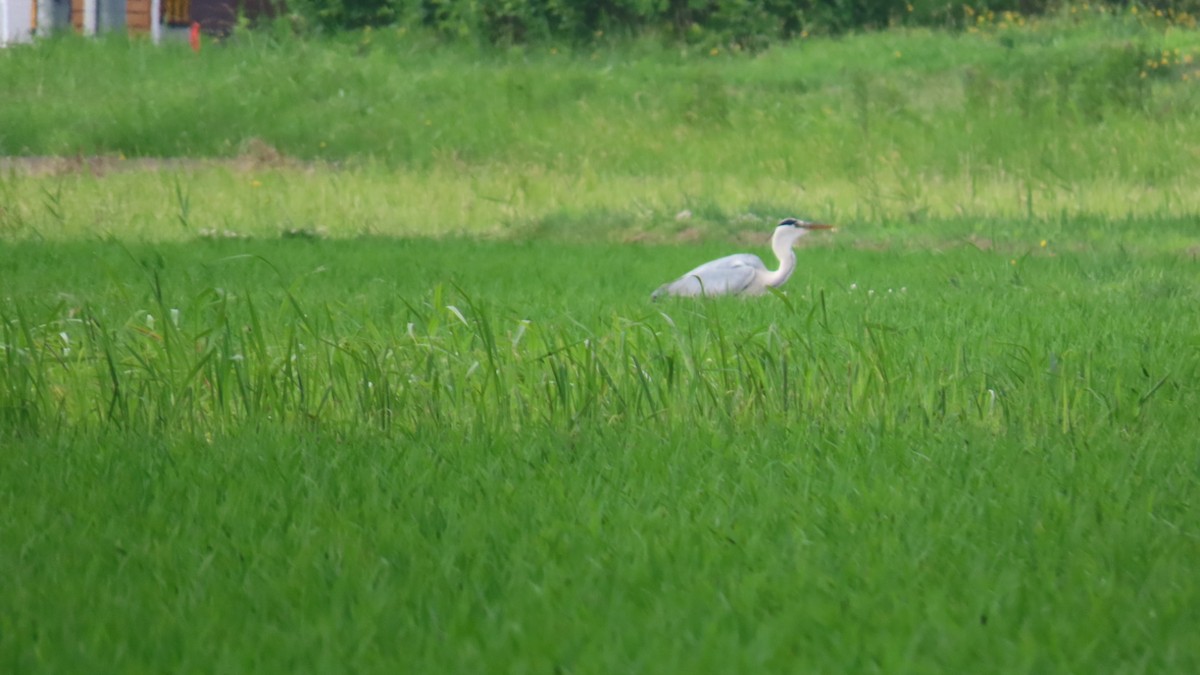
217, 16
137, 16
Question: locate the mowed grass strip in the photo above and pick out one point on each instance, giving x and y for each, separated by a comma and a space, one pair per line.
174, 201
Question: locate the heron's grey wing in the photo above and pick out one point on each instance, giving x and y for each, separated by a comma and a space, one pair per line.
725, 276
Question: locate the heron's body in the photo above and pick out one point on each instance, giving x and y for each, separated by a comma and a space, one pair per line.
743, 273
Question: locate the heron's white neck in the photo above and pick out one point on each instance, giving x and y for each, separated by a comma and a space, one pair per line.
782, 246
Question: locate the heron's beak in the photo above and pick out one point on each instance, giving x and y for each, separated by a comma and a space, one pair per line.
819, 226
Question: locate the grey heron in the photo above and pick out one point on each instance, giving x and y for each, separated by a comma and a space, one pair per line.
743, 273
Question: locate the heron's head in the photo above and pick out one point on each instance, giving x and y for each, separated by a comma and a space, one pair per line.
791, 229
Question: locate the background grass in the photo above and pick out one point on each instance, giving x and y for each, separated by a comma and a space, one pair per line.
1089, 101
252, 417
1065, 124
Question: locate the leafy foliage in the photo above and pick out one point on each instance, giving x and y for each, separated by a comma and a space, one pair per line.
750, 24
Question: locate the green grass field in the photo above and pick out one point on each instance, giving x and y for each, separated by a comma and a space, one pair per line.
324, 391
